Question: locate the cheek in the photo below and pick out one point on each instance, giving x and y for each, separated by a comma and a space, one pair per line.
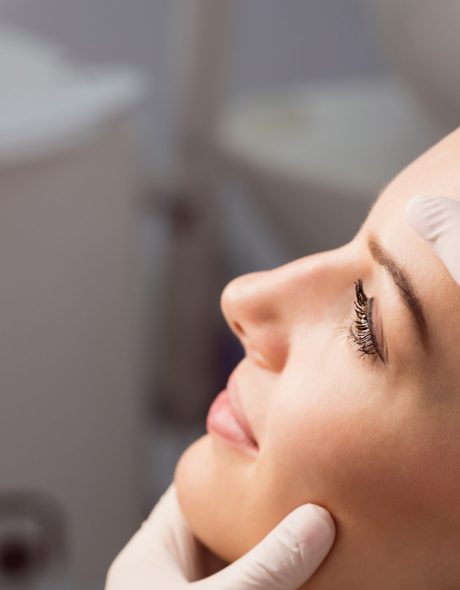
312, 447
368, 454
344, 447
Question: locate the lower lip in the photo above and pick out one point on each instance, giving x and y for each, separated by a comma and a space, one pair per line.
222, 421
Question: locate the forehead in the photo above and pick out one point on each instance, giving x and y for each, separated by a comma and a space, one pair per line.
436, 172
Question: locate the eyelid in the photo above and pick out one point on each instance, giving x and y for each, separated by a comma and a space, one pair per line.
360, 332
377, 331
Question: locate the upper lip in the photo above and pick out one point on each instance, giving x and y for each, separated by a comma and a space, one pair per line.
237, 407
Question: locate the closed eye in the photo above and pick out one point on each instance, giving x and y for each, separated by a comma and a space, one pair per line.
361, 332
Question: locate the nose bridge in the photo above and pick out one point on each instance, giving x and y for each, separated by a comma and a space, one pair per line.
262, 307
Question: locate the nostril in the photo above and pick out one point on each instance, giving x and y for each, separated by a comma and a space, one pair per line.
238, 329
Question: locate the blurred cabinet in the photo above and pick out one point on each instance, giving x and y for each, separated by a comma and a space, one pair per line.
70, 376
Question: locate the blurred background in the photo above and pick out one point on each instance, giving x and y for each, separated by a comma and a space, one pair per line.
150, 151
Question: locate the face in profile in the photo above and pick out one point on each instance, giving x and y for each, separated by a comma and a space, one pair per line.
351, 386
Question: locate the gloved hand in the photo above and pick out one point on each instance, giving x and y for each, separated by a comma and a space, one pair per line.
164, 555
437, 220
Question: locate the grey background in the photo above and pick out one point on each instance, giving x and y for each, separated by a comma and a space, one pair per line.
273, 43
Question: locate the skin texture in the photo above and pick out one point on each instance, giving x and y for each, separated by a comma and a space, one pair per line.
377, 445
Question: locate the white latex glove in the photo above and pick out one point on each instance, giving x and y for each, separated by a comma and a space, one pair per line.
164, 555
437, 220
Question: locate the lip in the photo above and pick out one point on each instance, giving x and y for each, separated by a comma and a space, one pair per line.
226, 418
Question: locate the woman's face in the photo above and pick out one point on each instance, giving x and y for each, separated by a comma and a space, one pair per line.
374, 437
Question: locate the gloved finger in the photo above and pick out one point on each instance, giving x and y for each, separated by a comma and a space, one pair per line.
286, 558
166, 515
437, 220
162, 549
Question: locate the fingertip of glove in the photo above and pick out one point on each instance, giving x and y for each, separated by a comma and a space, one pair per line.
418, 212
311, 523
431, 216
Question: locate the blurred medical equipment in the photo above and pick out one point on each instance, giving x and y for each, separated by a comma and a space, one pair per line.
165, 551
70, 485
437, 220
313, 157
421, 40
311, 173
33, 542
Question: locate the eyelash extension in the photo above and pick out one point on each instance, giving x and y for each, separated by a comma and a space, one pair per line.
360, 332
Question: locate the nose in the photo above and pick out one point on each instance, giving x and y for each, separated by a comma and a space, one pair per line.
262, 308
253, 314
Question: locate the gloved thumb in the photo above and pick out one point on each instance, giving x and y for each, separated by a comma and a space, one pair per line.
437, 220
286, 558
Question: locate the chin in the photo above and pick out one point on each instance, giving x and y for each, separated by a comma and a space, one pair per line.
197, 495
189, 473
212, 503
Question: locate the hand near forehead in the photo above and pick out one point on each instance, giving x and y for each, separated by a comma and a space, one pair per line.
164, 555
437, 220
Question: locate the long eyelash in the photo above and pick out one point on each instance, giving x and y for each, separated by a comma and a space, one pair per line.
359, 332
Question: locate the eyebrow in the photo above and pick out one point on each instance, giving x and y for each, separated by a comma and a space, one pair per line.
404, 285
